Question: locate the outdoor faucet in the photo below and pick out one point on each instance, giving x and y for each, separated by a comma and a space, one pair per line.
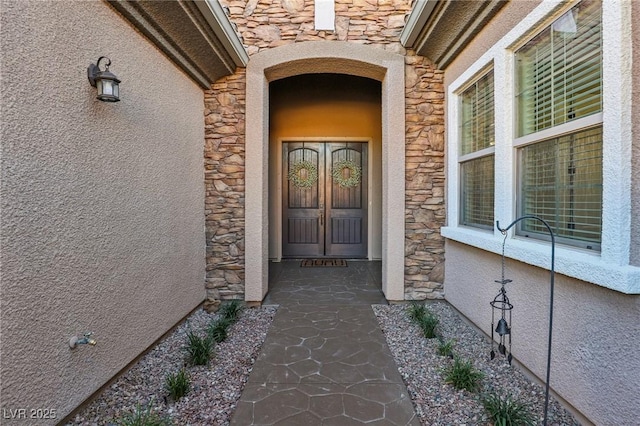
86, 340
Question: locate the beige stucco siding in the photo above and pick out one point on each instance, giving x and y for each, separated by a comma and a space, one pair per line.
635, 180
595, 364
102, 218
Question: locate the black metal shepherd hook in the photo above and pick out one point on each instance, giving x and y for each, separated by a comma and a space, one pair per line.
551, 282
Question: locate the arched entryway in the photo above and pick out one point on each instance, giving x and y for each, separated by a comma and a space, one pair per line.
323, 121
336, 58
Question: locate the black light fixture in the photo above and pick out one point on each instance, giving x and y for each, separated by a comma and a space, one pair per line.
501, 303
105, 81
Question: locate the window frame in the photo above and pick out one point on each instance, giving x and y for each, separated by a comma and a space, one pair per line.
552, 132
475, 155
591, 246
611, 267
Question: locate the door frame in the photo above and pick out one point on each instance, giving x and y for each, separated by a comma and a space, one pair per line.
324, 57
277, 221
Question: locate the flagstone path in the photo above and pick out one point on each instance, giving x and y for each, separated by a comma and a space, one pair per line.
325, 360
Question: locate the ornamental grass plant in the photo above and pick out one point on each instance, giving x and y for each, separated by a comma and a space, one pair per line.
505, 410
425, 319
231, 310
416, 311
228, 314
143, 416
198, 349
463, 375
178, 384
445, 348
217, 330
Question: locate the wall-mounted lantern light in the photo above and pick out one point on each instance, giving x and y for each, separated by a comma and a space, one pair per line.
105, 81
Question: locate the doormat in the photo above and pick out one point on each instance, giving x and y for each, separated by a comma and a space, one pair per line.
309, 263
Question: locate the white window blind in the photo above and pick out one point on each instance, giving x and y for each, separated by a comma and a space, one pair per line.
477, 137
561, 182
478, 192
559, 85
559, 72
477, 122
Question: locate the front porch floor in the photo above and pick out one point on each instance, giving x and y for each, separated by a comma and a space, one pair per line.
325, 360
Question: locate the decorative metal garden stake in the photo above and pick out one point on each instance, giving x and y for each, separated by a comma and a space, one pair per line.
501, 305
501, 302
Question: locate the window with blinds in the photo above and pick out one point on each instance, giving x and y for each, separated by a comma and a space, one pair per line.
561, 182
477, 122
478, 192
559, 91
559, 72
477, 139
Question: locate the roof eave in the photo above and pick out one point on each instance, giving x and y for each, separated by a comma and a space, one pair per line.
441, 29
196, 35
416, 22
222, 27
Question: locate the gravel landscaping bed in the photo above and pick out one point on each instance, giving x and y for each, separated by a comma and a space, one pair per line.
439, 403
215, 389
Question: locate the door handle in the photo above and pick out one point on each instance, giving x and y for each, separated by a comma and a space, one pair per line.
321, 218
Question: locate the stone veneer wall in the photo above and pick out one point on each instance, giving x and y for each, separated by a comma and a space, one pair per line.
265, 24
224, 188
424, 191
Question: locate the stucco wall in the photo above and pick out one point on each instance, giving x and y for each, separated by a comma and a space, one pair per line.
595, 363
635, 160
327, 106
102, 204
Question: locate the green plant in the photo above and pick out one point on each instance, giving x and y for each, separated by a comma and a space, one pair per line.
217, 330
463, 375
231, 310
428, 324
416, 311
445, 348
143, 417
507, 411
177, 384
198, 349
425, 319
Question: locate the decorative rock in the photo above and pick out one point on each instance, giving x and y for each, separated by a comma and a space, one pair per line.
232, 277
251, 6
211, 305
293, 6
342, 27
221, 186
226, 99
437, 273
267, 33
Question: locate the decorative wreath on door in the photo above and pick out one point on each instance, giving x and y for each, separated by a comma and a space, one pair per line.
302, 179
354, 175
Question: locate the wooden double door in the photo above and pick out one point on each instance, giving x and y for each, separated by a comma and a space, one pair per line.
324, 199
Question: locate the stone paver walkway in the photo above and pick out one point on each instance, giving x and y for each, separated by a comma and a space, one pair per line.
325, 360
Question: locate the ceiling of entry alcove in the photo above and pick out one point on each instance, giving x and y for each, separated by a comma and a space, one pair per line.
344, 105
